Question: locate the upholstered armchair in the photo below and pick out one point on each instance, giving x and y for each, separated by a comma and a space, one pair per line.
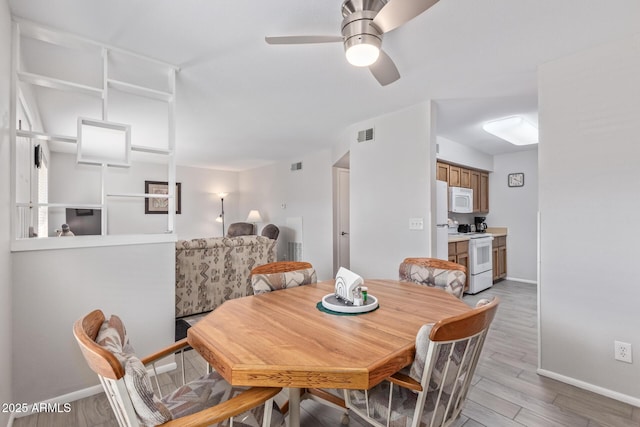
435, 272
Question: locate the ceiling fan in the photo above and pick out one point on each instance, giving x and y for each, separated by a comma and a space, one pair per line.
364, 24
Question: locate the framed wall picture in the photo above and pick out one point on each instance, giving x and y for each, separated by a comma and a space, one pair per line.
160, 205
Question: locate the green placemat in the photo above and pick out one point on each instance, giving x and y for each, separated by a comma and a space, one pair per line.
321, 307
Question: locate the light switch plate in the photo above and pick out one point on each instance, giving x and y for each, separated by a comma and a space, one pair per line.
416, 224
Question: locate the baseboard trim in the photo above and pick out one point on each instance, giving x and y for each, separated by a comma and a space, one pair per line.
85, 392
633, 401
515, 279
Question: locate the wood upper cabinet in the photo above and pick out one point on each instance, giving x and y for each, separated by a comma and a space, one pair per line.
477, 180
442, 172
484, 192
475, 186
465, 178
454, 176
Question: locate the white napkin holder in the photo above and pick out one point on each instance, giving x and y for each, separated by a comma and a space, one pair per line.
346, 283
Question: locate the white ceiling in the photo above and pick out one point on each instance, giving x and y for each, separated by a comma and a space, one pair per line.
243, 103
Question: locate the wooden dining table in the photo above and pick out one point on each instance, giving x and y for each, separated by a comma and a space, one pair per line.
281, 339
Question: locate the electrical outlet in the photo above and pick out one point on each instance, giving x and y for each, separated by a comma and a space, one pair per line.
623, 351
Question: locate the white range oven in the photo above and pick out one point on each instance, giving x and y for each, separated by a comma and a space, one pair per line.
480, 262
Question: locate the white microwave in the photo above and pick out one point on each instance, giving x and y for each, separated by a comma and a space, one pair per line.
460, 200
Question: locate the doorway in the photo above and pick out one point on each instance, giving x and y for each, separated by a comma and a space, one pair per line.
341, 200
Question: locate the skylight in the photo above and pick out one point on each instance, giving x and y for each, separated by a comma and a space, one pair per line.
514, 129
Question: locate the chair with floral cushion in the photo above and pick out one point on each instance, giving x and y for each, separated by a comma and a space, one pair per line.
447, 275
433, 390
281, 275
209, 400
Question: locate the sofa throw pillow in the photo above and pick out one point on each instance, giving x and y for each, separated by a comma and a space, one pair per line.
150, 410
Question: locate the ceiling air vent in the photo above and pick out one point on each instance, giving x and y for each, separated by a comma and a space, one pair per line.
296, 166
365, 135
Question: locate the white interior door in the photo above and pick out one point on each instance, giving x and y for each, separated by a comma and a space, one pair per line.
343, 237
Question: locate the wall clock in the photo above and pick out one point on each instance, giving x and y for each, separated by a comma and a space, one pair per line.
516, 179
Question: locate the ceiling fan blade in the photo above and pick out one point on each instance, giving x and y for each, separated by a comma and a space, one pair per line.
399, 12
384, 70
303, 39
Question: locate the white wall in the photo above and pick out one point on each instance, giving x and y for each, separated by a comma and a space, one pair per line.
307, 193
454, 152
54, 288
391, 179
5, 170
200, 204
517, 209
588, 177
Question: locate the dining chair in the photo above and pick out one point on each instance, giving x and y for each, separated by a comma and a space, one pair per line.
281, 275
447, 275
433, 390
240, 229
271, 231
209, 400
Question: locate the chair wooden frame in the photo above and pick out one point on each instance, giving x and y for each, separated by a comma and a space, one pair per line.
280, 267
461, 328
111, 374
436, 263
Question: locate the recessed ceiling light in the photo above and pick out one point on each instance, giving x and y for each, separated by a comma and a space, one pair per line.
514, 129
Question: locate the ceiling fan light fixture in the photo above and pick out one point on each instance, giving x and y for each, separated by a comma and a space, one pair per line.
362, 55
362, 50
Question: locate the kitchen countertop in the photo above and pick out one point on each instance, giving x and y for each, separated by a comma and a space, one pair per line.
497, 231
494, 231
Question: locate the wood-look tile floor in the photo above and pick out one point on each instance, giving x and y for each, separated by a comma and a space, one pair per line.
506, 390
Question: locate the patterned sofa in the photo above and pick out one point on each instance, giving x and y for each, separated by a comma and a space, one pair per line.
211, 271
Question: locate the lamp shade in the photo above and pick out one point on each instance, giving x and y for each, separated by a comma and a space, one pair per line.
254, 216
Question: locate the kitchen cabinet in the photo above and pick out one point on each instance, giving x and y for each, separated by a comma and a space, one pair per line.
442, 172
475, 186
484, 192
499, 258
454, 176
465, 178
459, 253
477, 180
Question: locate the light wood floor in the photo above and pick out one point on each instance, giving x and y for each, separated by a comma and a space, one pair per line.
506, 389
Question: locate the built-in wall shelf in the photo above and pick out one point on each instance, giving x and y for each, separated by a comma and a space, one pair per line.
46, 137
53, 83
139, 90
112, 69
155, 196
60, 205
152, 150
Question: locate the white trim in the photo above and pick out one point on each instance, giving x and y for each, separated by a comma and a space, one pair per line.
85, 392
633, 401
90, 241
539, 291
515, 279
61, 38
